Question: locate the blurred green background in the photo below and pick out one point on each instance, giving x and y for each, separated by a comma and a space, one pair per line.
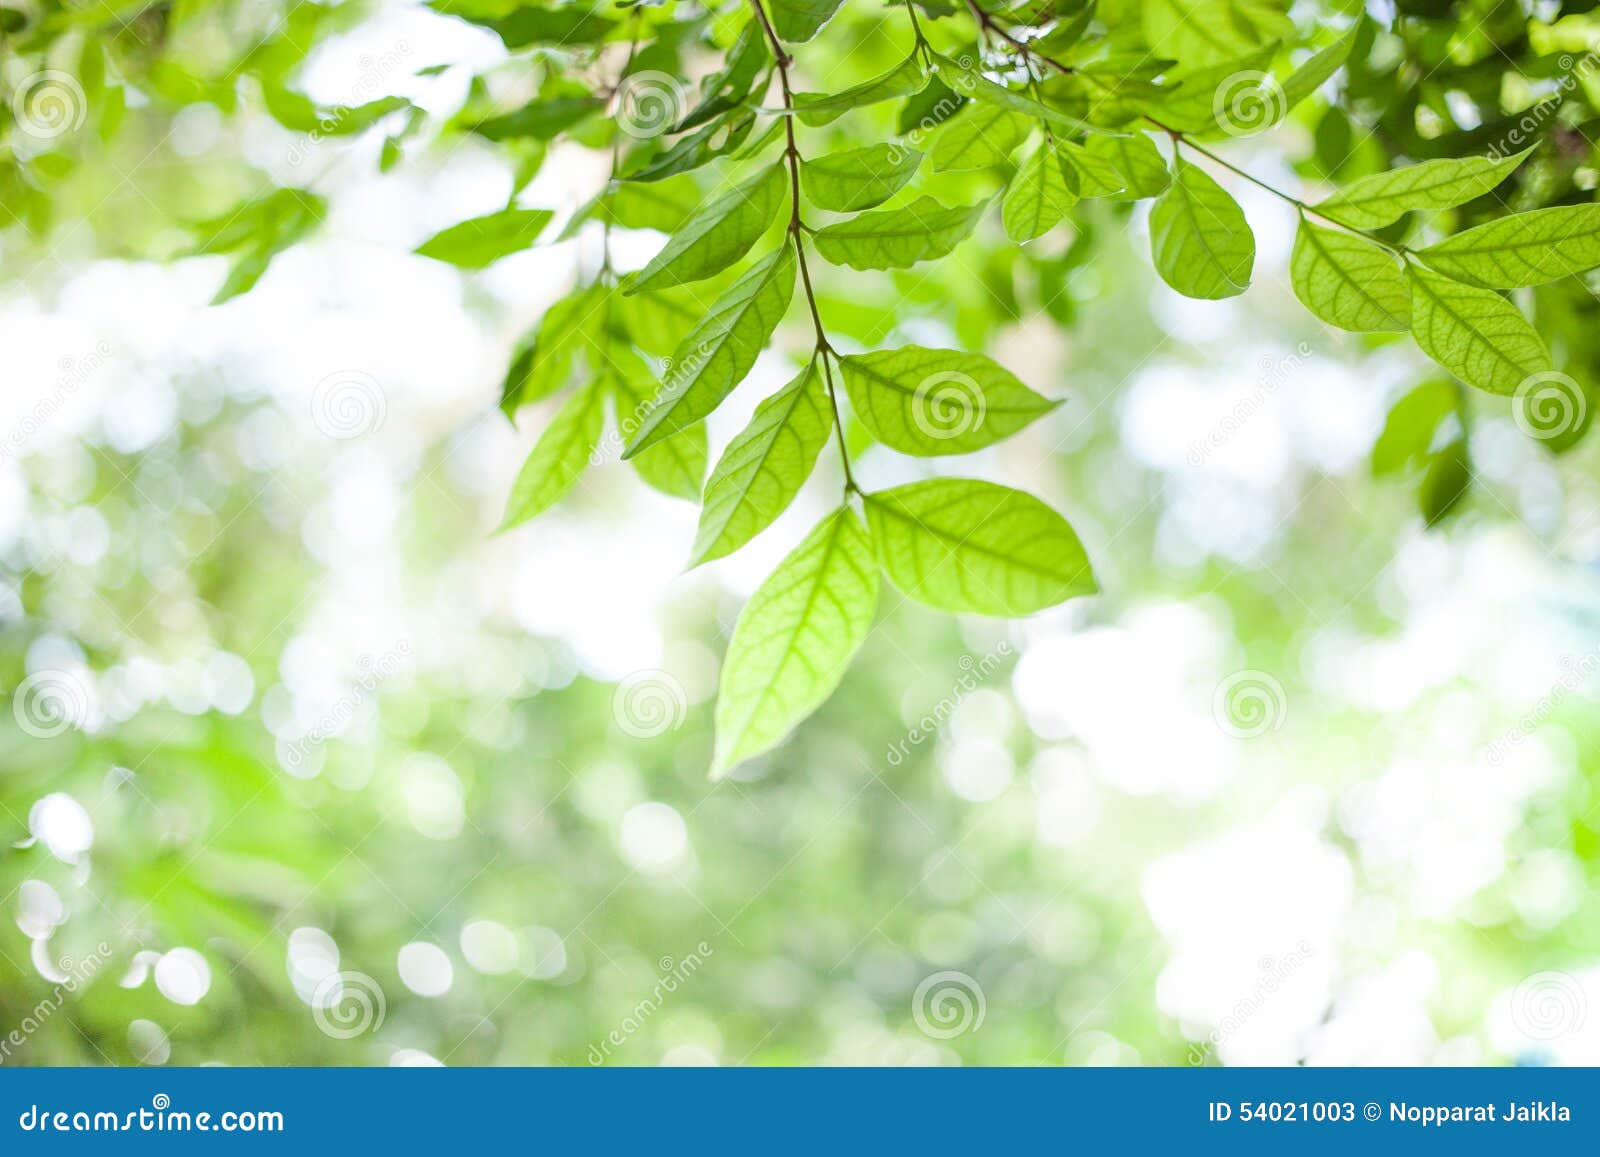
303, 765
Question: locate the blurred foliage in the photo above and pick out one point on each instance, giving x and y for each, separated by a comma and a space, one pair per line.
828, 880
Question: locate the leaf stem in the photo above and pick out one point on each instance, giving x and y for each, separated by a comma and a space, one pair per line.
797, 227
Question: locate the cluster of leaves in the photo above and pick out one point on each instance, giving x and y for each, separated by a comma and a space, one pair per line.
1039, 107
1093, 89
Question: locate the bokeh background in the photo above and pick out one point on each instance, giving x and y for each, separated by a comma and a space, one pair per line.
300, 763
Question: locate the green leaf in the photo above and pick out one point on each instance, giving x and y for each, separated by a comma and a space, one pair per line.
1191, 99
1348, 282
764, 466
799, 20
1383, 198
722, 233
539, 120
898, 238
562, 453
1474, 333
1446, 482
1199, 238
962, 545
675, 466
929, 402
528, 24
1201, 32
795, 639
1039, 195
1316, 71
858, 178
904, 79
1143, 169
543, 365
718, 352
1523, 249
723, 135
1097, 177
484, 240
981, 136
1412, 426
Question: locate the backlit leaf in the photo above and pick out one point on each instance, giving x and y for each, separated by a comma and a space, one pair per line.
562, 453
795, 639
1383, 198
1523, 249
898, 238
764, 466
1199, 238
1474, 333
1348, 282
484, 240
858, 178
718, 236
930, 402
963, 545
